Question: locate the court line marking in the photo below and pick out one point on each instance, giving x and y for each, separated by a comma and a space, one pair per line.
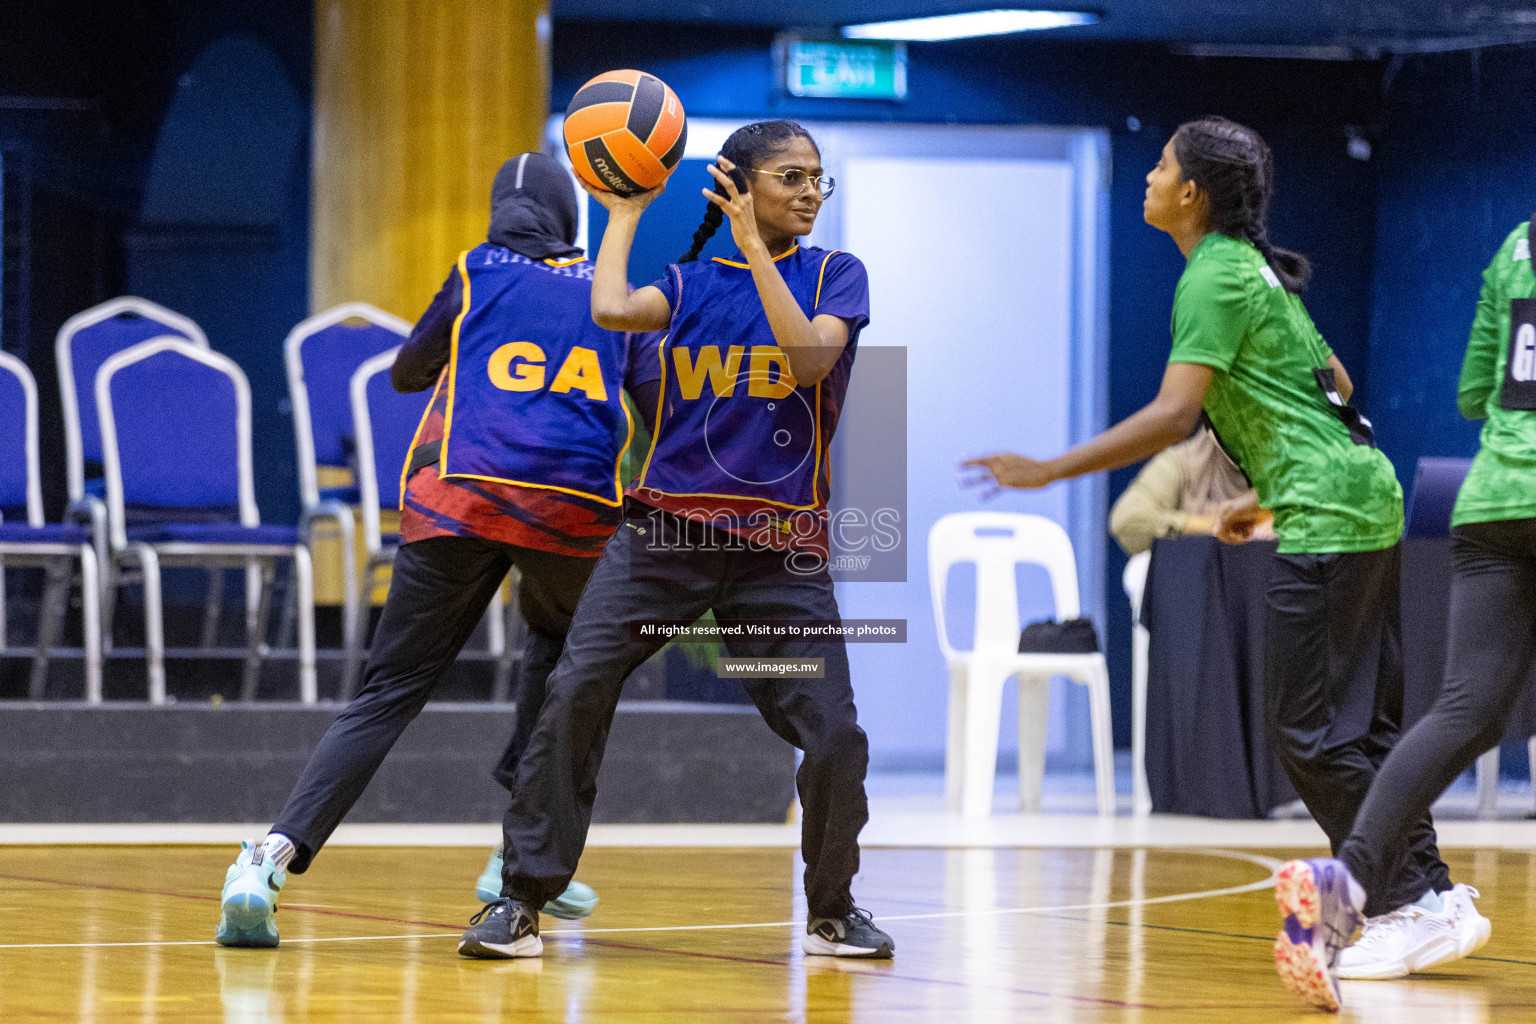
209, 942
201, 898
1269, 863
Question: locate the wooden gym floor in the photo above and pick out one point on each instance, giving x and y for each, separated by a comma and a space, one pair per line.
1062, 935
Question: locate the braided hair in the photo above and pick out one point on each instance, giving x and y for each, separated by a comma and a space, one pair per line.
748, 148
1231, 164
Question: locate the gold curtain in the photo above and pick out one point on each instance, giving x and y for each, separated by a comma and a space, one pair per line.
417, 103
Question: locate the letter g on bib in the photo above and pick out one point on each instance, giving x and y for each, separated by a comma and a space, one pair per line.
527, 375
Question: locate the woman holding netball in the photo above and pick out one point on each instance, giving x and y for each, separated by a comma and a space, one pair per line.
729, 514
1491, 642
1245, 352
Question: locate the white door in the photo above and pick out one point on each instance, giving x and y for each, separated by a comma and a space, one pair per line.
973, 240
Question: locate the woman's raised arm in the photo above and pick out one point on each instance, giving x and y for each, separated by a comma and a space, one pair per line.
614, 306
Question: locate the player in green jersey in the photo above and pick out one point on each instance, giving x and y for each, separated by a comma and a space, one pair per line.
1491, 643
1245, 352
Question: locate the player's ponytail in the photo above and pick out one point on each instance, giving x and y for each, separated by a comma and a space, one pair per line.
713, 218
1231, 164
748, 147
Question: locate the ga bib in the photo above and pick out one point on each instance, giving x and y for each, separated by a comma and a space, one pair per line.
1519, 390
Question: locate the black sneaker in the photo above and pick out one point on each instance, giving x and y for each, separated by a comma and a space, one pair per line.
503, 929
854, 934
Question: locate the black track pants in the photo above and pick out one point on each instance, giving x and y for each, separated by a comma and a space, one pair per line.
546, 827
1491, 647
438, 592
1334, 692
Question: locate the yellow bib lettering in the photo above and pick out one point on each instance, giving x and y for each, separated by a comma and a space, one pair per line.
722, 379
526, 376
762, 384
581, 372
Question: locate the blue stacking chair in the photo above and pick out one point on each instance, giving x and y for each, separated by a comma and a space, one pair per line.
85, 341
176, 447
386, 423
26, 540
1436, 481
321, 354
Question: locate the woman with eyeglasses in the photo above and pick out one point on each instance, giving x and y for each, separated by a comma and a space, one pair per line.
729, 515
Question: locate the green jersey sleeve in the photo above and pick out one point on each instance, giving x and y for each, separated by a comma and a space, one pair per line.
1210, 314
1502, 482
1479, 366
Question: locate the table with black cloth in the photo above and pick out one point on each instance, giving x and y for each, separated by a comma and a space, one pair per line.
1208, 751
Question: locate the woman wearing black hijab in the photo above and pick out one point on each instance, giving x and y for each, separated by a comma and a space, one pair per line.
515, 464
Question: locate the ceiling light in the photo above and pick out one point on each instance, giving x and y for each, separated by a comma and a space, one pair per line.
974, 23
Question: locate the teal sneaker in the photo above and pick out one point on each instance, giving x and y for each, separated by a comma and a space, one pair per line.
251, 886
488, 885
576, 902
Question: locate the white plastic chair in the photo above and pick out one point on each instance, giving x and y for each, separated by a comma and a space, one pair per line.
1488, 782
1135, 583
996, 542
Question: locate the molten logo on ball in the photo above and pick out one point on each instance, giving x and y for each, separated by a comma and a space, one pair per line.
625, 131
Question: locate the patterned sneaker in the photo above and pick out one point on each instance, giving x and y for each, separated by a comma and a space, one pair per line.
575, 903
1319, 905
251, 886
503, 930
852, 935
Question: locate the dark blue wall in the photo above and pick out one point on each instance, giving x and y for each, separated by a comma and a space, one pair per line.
1325, 205
1457, 173
201, 204
668, 228
222, 231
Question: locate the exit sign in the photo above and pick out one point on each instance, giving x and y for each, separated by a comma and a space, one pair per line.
846, 69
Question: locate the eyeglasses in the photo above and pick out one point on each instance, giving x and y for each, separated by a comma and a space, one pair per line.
795, 180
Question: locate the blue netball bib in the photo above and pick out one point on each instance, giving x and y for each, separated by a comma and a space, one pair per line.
535, 388
734, 423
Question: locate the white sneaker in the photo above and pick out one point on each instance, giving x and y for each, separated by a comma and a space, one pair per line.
1411, 938
1469, 929
1381, 951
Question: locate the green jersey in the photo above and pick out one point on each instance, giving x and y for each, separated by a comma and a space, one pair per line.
1329, 492
1502, 483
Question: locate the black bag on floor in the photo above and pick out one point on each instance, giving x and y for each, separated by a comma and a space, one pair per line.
1075, 636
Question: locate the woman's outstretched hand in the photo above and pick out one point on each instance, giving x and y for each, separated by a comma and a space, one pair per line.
1006, 470
736, 205
1238, 518
612, 201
